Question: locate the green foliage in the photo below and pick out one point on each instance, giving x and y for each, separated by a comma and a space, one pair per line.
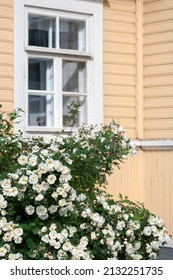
73, 110
10, 143
52, 202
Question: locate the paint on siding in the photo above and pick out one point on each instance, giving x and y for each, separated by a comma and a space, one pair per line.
6, 55
158, 69
147, 178
119, 63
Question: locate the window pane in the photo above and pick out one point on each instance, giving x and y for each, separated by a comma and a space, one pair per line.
40, 74
81, 115
74, 76
40, 111
72, 35
41, 31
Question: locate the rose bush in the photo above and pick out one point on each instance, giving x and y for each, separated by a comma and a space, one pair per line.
53, 206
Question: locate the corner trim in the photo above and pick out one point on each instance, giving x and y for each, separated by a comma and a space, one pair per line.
153, 145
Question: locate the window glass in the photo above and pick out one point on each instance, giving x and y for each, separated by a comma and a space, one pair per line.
41, 31
40, 74
72, 34
81, 116
40, 111
74, 76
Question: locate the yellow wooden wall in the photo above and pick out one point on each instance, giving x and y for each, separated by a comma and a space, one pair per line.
147, 178
158, 69
119, 62
6, 54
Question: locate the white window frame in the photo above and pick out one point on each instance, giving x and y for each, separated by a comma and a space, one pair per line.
93, 54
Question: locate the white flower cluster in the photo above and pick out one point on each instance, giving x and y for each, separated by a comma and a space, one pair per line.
61, 242
9, 232
65, 223
154, 228
30, 176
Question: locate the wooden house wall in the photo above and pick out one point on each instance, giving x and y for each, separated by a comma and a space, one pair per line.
119, 62
158, 69
6, 55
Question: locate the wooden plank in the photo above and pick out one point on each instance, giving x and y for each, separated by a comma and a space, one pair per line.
156, 49
158, 102
158, 6
118, 69
120, 27
6, 95
125, 122
6, 71
159, 91
118, 101
158, 81
149, 1
118, 48
6, 47
119, 16
6, 12
158, 113
159, 124
6, 35
116, 37
6, 59
158, 59
158, 17
6, 3
158, 134
121, 6
158, 27
118, 58
161, 70
119, 80
115, 112
158, 38
6, 23
119, 90
7, 107
6, 83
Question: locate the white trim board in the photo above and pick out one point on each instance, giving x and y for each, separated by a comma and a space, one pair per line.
153, 144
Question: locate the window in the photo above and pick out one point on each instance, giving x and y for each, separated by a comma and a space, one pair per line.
61, 63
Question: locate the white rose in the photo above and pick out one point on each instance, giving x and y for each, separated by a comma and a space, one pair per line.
3, 251
44, 229
30, 210
147, 231
53, 234
52, 209
51, 179
45, 238
23, 180
22, 160
41, 210
62, 202
18, 239
39, 197
120, 225
18, 231
152, 220
33, 179
33, 160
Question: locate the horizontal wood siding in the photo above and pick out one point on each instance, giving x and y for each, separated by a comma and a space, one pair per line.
147, 178
158, 69
6, 55
119, 63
